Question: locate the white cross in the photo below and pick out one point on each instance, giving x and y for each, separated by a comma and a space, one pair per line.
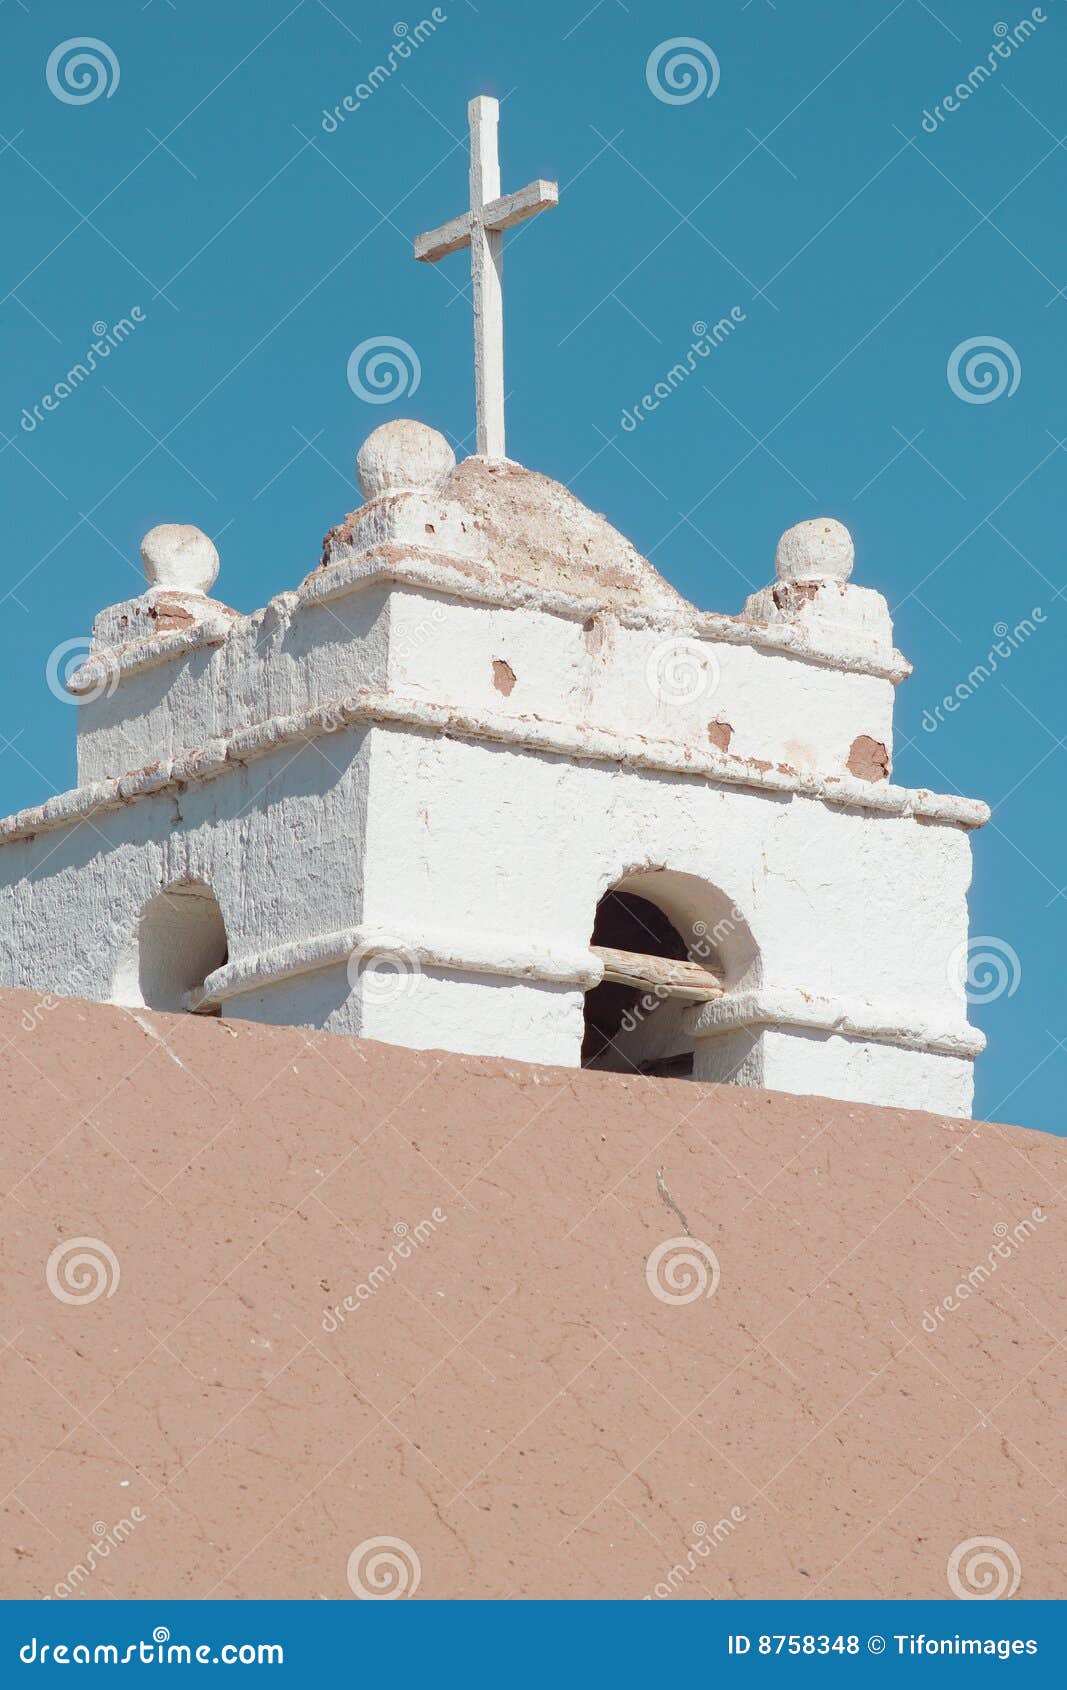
482, 229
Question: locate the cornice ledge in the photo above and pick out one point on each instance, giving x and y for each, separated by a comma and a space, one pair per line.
853, 1018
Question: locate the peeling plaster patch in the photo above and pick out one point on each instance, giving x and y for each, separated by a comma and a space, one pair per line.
720, 735
868, 759
503, 677
170, 615
597, 633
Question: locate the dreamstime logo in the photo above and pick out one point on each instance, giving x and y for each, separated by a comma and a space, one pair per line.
1006, 42
706, 338
384, 368
105, 1539
682, 1270
98, 672
82, 1269
405, 42
408, 1241
680, 671
383, 1568
105, 340
78, 982
983, 1570
384, 969
982, 368
703, 948
984, 968
1008, 640
1009, 1241
703, 1540
682, 70
81, 69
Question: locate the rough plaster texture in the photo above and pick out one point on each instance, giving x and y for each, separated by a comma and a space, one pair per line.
509, 1398
480, 683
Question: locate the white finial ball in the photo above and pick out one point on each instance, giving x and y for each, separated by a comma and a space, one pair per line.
402, 456
180, 556
815, 550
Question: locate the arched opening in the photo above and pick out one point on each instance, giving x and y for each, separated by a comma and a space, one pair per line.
180, 939
668, 941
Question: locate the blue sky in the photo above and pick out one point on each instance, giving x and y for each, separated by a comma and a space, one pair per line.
863, 248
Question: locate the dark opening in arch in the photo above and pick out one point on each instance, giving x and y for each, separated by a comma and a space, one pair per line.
671, 943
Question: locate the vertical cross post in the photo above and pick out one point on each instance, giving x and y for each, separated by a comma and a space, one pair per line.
487, 277
482, 229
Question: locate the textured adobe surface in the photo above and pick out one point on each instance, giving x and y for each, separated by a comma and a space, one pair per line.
512, 1401
539, 532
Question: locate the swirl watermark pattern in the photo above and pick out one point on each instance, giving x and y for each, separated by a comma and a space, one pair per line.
682, 70
381, 1569
384, 969
98, 672
680, 671
982, 369
983, 1569
682, 1270
81, 1270
82, 69
984, 968
384, 368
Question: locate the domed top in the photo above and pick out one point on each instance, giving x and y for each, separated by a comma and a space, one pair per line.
403, 456
179, 556
815, 550
538, 532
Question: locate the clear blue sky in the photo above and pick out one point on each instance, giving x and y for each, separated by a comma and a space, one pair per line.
862, 248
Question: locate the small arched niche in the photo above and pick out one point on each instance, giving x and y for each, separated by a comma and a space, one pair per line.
668, 941
179, 940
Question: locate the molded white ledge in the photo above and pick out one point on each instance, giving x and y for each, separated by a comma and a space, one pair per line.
853, 1018
531, 733
481, 584
488, 955
516, 960
475, 583
104, 669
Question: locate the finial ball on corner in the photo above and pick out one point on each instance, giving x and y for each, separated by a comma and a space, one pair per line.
816, 550
403, 456
179, 556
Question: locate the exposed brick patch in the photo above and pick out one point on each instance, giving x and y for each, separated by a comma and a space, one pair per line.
789, 595
720, 735
868, 759
503, 676
170, 614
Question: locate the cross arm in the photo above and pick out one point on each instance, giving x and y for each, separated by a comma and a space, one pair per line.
515, 208
450, 237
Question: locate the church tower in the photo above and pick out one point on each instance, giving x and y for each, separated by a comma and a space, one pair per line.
483, 781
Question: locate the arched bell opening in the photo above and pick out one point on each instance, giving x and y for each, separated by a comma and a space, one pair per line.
180, 939
668, 941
